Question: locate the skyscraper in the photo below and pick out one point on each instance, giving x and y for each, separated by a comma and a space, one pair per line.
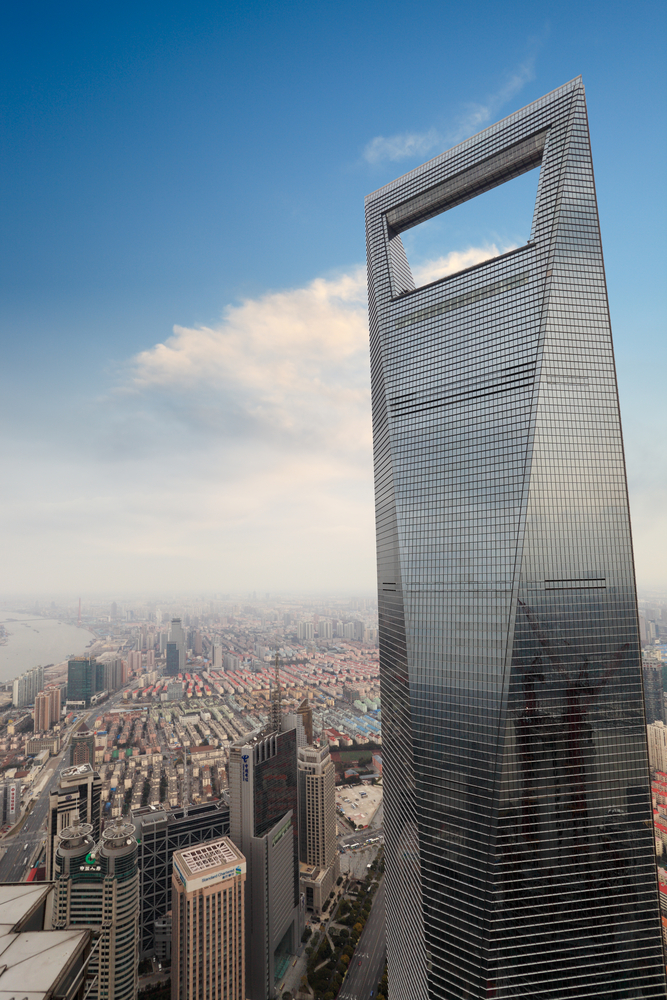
43, 720
27, 687
160, 833
263, 825
99, 886
81, 679
78, 794
176, 651
519, 851
209, 906
318, 850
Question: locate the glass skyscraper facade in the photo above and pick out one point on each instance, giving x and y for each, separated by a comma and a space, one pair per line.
520, 858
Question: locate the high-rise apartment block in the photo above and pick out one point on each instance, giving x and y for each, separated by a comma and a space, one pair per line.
325, 630
514, 747
318, 850
657, 746
77, 794
134, 660
43, 709
160, 834
113, 674
97, 884
27, 687
263, 825
208, 922
82, 747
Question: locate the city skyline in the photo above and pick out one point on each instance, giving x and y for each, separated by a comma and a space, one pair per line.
184, 334
514, 741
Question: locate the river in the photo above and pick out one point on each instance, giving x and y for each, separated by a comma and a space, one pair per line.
32, 641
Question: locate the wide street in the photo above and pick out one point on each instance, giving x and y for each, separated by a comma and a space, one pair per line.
369, 956
22, 845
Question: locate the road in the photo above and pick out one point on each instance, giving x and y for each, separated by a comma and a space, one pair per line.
16, 856
362, 979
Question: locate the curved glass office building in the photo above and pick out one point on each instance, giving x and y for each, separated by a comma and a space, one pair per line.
520, 859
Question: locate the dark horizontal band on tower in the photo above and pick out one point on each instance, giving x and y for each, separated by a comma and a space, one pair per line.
457, 301
524, 378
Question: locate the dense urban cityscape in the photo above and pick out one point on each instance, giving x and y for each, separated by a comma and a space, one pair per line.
123, 751
133, 743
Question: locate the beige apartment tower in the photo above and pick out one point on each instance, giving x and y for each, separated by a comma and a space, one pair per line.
208, 923
47, 709
318, 852
43, 721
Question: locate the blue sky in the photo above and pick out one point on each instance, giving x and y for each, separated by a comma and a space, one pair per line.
173, 169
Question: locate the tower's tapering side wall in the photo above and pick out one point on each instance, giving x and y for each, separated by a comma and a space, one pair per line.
519, 847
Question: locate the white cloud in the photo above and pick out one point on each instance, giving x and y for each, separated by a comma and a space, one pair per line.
400, 147
417, 145
457, 260
290, 365
477, 116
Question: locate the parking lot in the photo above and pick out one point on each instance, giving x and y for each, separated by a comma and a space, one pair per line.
359, 803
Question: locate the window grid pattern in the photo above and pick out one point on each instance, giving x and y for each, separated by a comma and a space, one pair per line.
517, 813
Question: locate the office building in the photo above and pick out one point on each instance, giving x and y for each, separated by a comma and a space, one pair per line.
82, 747
264, 827
26, 687
163, 928
514, 747
176, 651
10, 802
318, 851
98, 885
208, 923
653, 693
76, 794
160, 833
82, 677
39, 743
38, 962
301, 720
